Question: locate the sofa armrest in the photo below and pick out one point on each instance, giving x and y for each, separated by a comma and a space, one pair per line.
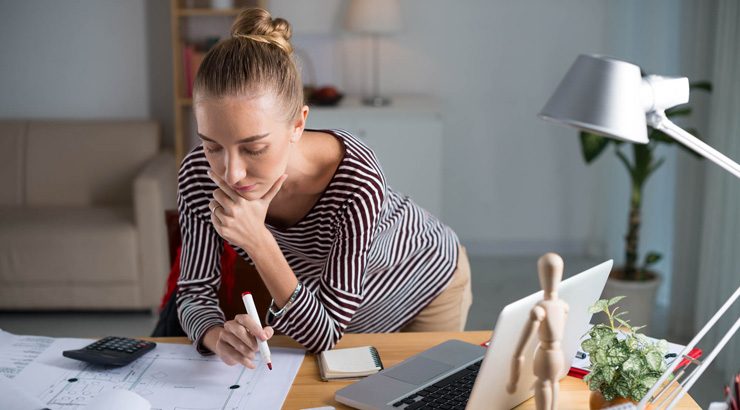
155, 190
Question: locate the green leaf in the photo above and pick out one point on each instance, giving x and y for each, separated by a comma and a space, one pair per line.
649, 381
609, 395
615, 300
623, 322
652, 258
638, 392
701, 85
654, 360
626, 163
616, 356
632, 365
654, 166
643, 159
608, 373
593, 309
593, 383
632, 343
622, 389
662, 346
588, 345
644, 341
601, 305
592, 145
681, 111
599, 357
660, 136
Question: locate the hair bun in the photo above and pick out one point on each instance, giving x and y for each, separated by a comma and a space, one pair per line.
257, 24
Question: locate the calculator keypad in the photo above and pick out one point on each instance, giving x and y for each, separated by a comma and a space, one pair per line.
112, 351
118, 344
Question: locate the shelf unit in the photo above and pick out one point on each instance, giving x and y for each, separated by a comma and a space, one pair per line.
194, 20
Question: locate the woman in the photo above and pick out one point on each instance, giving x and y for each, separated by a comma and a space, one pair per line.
337, 249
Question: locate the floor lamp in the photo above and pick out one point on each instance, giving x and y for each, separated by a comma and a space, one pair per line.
606, 96
375, 18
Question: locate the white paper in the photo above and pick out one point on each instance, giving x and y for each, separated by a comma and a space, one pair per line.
170, 377
14, 397
118, 399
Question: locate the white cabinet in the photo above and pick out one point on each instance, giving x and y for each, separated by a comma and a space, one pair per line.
406, 137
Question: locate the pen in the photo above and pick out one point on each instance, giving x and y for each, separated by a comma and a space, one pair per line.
252, 311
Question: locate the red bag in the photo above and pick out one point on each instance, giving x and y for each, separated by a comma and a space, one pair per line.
226, 293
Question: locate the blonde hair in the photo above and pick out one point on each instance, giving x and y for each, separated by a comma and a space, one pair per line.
256, 59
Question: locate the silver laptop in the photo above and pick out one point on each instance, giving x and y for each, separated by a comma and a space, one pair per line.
456, 367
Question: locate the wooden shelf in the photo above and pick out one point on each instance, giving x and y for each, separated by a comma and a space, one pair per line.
185, 21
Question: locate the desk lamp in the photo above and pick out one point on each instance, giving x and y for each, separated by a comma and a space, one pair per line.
376, 18
609, 97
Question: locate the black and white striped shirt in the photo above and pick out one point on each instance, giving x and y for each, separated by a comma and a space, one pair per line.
369, 258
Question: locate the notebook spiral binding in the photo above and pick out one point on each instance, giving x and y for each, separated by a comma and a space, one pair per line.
376, 357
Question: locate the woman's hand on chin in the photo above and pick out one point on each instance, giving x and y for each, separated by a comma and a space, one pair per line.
238, 220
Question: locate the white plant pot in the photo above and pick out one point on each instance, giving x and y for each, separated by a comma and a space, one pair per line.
639, 301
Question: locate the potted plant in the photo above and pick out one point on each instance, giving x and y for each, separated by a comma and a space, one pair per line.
636, 278
624, 364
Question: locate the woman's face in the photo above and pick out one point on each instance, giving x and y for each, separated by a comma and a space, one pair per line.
247, 141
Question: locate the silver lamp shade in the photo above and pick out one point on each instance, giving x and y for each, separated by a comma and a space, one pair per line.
601, 95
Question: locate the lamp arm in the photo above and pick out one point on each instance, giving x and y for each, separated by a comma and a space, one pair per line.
704, 330
659, 121
696, 373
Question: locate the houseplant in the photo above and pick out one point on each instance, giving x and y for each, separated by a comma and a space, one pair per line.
636, 277
624, 364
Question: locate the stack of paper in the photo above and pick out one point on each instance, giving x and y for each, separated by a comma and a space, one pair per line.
171, 376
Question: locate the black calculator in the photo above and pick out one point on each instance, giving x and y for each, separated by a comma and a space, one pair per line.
111, 351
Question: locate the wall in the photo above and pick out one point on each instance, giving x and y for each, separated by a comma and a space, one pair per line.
513, 183
73, 59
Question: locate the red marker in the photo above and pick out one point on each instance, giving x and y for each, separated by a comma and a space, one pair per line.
252, 311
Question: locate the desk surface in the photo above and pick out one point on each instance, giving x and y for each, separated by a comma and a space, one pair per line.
309, 391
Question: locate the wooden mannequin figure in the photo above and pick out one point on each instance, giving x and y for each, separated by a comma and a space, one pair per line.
548, 319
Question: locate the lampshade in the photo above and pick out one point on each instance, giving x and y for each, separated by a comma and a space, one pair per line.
303, 17
373, 16
601, 95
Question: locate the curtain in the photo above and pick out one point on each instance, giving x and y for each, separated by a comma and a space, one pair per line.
719, 260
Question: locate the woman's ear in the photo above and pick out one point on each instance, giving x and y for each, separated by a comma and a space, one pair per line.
299, 125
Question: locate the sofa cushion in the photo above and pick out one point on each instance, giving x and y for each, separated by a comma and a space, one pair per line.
62, 245
86, 163
11, 162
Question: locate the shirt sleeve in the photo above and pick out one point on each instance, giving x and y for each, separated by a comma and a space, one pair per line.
318, 317
200, 276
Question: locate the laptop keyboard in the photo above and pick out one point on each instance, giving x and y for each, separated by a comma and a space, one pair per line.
451, 392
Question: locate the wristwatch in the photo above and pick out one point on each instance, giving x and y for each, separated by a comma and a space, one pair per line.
288, 305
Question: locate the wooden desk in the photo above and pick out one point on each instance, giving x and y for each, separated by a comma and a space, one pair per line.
309, 391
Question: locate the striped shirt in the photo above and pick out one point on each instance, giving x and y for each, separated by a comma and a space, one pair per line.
369, 258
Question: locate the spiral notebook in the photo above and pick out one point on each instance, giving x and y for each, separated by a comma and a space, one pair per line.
350, 363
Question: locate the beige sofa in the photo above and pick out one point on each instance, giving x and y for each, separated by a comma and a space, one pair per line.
82, 214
